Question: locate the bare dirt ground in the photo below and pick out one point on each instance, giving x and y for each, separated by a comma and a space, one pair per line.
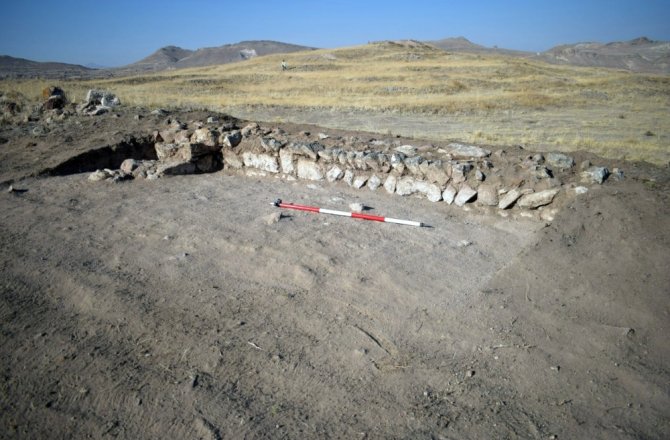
175, 308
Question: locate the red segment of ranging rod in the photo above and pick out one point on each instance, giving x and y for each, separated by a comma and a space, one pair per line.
278, 203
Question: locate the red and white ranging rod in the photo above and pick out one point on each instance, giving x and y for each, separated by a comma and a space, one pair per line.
278, 203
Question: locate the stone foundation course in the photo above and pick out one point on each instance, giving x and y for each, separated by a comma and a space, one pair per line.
453, 173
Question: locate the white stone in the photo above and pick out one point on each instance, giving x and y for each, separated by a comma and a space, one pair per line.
349, 177
374, 182
407, 150
405, 186
430, 190
263, 162
309, 170
509, 198
465, 151
449, 194
465, 194
286, 159
359, 181
390, 183
538, 199
335, 173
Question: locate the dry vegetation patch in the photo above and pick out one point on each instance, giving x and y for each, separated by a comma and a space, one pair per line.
475, 98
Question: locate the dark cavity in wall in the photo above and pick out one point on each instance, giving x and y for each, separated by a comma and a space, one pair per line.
109, 156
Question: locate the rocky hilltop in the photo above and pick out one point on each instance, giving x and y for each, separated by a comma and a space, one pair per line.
638, 55
172, 57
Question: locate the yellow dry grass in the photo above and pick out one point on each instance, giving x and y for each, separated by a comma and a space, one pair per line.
495, 100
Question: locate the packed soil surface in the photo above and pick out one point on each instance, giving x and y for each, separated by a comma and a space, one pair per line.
182, 308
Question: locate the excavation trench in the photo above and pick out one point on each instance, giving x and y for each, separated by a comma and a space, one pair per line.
109, 156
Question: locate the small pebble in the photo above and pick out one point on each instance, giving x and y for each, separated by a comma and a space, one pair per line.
470, 373
356, 207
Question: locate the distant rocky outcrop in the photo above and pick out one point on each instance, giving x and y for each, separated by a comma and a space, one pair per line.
638, 55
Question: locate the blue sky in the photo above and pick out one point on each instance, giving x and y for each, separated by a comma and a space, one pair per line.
118, 32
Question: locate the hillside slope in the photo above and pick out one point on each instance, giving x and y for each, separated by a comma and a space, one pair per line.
639, 55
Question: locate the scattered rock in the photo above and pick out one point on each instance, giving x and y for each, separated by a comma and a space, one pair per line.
617, 174
581, 190
466, 151
560, 160
595, 175
323, 136
465, 194
273, 218
356, 207
479, 176
538, 199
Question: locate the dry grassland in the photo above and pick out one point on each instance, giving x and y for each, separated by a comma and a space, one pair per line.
416, 90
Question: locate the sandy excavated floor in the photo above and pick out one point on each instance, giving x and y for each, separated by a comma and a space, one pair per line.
176, 308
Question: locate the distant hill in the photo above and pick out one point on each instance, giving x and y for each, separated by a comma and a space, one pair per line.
638, 55
172, 57
11, 67
462, 44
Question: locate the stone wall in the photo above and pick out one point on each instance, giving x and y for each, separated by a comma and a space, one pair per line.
454, 173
